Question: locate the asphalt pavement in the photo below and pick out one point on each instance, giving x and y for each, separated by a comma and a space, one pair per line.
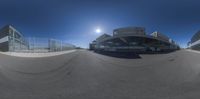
87, 75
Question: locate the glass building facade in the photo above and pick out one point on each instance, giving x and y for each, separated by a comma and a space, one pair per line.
195, 41
12, 40
196, 37
134, 40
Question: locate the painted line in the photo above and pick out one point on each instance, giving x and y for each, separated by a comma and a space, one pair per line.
37, 55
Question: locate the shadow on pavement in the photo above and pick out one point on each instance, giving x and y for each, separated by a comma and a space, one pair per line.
130, 55
160, 52
126, 55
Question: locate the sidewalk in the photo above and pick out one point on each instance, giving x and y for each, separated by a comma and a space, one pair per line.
35, 55
195, 51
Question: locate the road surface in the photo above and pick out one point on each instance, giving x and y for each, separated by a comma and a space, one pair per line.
87, 75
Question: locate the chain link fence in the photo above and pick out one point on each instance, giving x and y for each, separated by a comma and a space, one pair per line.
43, 45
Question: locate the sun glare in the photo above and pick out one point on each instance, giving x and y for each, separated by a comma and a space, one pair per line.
98, 30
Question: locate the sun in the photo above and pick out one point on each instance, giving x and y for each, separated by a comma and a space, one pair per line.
98, 30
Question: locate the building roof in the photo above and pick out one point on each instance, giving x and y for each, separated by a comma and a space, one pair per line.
129, 28
11, 27
103, 37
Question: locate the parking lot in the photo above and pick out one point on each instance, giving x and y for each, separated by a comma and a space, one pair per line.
88, 75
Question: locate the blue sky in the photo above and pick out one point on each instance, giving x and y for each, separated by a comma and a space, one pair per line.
75, 21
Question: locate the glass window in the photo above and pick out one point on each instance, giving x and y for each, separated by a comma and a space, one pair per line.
17, 36
11, 32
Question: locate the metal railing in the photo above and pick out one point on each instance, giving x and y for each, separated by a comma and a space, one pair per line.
40, 45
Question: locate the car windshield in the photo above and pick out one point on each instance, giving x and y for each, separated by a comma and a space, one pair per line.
99, 49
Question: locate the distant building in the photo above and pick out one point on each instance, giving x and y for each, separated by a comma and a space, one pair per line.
12, 40
195, 41
133, 39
